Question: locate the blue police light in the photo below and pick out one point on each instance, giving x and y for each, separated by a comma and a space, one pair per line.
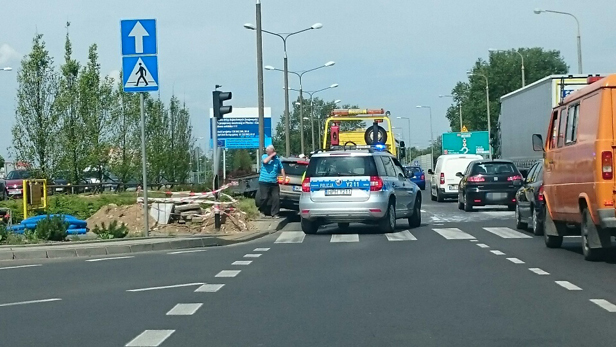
380, 147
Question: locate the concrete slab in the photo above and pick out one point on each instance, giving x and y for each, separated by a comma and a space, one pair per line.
30, 254
141, 248
61, 253
161, 246
6, 255
91, 251
117, 249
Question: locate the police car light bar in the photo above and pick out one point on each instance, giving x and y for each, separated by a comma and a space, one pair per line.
356, 111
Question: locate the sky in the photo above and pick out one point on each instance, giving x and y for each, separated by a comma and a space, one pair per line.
391, 54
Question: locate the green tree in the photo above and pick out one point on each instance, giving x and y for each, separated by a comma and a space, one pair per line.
180, 135
157, 143
36, 129
125, 160
504, 76
1, 161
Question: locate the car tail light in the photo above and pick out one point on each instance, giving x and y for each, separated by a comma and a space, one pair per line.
306, 185
376, 183
513, 178
476, 179
607, 169
285, 181
442, 178
423, 177
540, 194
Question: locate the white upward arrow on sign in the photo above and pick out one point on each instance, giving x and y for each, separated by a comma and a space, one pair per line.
138, 33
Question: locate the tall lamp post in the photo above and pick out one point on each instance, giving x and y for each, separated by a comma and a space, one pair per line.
459, 107
284, 38
491, 50
431, 136
579, 36
408, 159
301, 97
335, 85
470, 73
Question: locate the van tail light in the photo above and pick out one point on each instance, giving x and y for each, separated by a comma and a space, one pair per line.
513, 178
423, 177
306, 185
442, 178
607, 167
476, 179
285, 181
376, 183
540, 194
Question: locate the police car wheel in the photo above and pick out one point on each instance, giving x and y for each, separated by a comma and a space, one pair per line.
309, 227
388, 222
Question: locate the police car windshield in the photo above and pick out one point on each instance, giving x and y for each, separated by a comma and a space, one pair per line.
336, 166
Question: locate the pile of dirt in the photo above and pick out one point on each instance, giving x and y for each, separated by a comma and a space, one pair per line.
130, 215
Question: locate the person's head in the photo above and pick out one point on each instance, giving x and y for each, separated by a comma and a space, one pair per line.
270, 149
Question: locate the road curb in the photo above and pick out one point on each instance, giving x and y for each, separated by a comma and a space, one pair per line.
117, 247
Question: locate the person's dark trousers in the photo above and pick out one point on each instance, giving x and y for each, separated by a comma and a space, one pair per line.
270, 196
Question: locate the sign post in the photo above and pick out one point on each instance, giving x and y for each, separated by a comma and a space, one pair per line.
139, 75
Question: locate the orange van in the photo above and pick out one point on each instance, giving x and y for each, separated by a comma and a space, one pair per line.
579, 186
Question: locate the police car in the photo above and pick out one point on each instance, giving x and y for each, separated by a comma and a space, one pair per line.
357, 184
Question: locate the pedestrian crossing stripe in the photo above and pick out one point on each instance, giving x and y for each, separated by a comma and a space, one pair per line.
140, 74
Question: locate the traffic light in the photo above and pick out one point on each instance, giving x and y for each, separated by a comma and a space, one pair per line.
219, 109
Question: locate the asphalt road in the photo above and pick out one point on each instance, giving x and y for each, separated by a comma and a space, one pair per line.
461, 279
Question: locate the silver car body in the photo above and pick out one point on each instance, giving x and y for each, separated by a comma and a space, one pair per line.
361, 205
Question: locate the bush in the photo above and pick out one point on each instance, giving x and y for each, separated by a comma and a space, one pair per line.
113, 232
248, 205
4, 233
51, 229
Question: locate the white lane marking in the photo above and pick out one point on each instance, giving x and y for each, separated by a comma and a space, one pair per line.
252, 255
538, 271
150, 338
473, 240
188, 251
261, 249
228, 273
497, 252
114, 258
568, 285
604, 304
423, 211
454, 234
483, 245
164, 287
572, 237
344, 238
242, 262
508, 233
401, 236
184, 309
291, 237
19, 266
209, 288
515, 260
29, 302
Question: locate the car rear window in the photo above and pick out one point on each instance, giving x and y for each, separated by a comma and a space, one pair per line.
294, 168
414, 170
341, 166
494, 169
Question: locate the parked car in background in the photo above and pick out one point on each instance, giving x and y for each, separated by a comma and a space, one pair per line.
488, 182
416, 175
444, 182
291, 188
13, 183
530, 205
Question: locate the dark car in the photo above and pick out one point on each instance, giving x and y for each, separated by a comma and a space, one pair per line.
416, 175
530, 205
488, 182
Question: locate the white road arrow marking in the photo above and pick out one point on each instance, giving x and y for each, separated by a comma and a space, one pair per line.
138, 33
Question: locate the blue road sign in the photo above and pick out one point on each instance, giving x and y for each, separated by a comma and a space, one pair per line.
416, 163
221, 143
138, 36
241, 132
140, 73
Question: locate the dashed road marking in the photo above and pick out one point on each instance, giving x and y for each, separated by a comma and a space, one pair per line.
497, 252
454, 234
242, 262
114, 258
228, 273
401, 236
515, 260
150, 338
209, 288
483, 245
188, 251
473, 240
291, 237
508, 233
19, 266
165, 287
568, 285
538, 271
604, 304
184, 309
261, 249
252, 255
345, 238
29, 302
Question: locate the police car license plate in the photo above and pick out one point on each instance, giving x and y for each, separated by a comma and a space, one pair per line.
330, 192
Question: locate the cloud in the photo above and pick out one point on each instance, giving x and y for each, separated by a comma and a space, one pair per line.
115, 74
8, 54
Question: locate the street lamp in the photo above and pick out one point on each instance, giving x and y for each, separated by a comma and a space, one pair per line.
301, 94
409, 138
470, 73
491, 50
431, 136
579, 37
284, 38
335, 85
459, 107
